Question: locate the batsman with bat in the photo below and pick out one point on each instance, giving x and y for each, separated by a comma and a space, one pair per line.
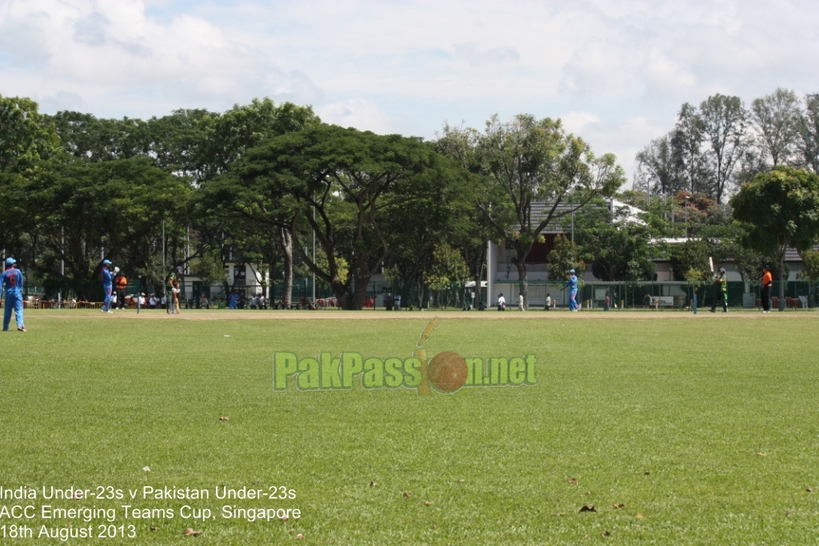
720, 291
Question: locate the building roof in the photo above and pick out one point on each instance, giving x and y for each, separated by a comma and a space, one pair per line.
791, 254
540, 209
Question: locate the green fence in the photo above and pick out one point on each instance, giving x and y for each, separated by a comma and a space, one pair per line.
666, 295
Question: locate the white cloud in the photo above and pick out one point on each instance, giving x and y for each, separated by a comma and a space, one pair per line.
624, 139
576, 122
408, 65
105, 51
358, 113
476, 57
92, 29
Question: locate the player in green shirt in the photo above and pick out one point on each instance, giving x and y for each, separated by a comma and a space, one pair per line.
720, 291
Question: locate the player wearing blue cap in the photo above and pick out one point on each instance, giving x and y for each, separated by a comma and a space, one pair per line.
12, 284
107, 285
571, 284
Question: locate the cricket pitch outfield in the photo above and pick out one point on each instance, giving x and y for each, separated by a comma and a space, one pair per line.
640, 427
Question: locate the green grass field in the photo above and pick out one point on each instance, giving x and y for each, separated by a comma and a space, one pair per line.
677, 429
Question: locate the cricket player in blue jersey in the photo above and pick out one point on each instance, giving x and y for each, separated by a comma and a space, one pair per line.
571, 284
107, 285
12, 285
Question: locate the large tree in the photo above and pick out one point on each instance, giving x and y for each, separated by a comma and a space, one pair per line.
254, 215
615, 245
26, 136
240, 209
354, 190
228, 136
449, 218
524, 161
81, 211
168, 144
687, 141
723, 123
779, 210
657, 170
692, 255
84, 136
775, 118
27, 139
808, 128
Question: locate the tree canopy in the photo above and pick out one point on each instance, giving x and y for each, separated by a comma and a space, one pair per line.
523, 161
778, 210
253, 186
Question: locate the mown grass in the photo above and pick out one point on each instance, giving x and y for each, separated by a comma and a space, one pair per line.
682, 430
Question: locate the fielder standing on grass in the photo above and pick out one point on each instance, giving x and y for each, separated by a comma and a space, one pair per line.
107, 286
12, 285
571, 284
767, 285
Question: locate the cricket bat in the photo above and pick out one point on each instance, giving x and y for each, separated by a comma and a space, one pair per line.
711, 263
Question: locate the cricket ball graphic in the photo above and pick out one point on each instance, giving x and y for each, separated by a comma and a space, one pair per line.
447, 371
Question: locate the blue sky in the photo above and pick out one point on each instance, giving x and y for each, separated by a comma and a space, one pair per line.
616, 71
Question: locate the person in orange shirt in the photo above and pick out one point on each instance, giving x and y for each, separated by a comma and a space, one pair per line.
120, 284
767, 285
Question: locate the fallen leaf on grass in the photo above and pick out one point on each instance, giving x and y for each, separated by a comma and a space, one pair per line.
616, 506
154, 528
573, 481
605, 533
191, 533
589, 508
762, 454
427, 503
810, 489
373, 484
146, 468
224, 418
560, 514
407, 494
434, 525
299, 536
639, 516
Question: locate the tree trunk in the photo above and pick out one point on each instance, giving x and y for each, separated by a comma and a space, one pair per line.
340, 291
360, 293
523, 283
287, 246
361, 273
